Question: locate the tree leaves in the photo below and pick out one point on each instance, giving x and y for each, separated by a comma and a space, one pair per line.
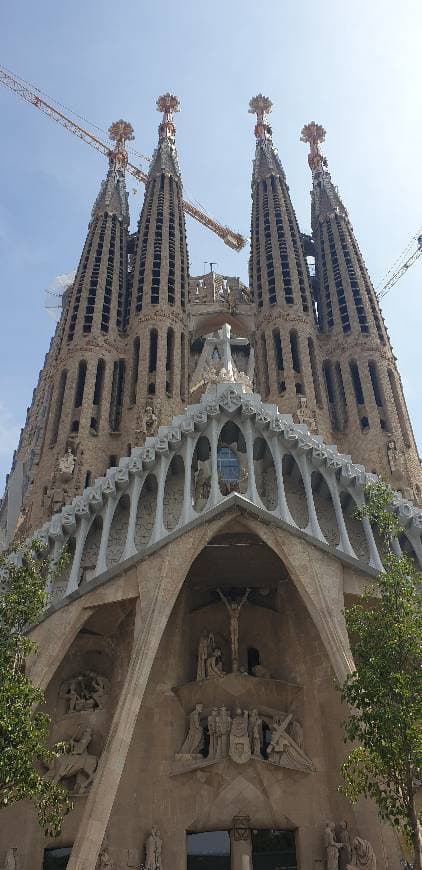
385, 691
24, 728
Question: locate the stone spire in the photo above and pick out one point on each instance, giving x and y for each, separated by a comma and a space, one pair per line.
159, 281
363, 386
82, 382
347, 297
99, 293
112, 197
279, 277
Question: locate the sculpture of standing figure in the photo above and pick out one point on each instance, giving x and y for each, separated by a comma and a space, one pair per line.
194, 740
212, 731
234, 608
255, 733
224, 723
153, 848
332, 848
10, 860
346, 852
205, 648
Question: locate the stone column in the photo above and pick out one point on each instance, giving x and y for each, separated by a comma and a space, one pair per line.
241, 845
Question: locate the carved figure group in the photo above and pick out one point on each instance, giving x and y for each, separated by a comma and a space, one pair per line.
241, 736
283, 749
343, 852
77, 762
85, 692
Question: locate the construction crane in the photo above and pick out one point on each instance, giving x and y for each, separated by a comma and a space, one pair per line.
402, 264
33, 95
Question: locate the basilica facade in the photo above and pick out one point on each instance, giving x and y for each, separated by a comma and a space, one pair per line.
199, 446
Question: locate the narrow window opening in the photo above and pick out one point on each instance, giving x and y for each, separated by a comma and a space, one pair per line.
183, 367
80, 384
278, 351
294, 347
266, 377
87, 479
134, 373
375, 383
315, 374
117, 390
59, 407
331, 395
357, 383
153, 342
399, 408
99, 381
170, 362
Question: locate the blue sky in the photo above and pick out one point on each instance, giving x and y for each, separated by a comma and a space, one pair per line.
354, 67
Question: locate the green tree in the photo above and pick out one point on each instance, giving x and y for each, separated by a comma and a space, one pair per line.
24, 728
384, 693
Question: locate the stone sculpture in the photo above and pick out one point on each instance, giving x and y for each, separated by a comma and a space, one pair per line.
205, 649
223, 732
240, 747
234, 607
194, 741
283, 750
212, 731
104, 861
296, 732
214, 666
150, 421
202, 488
67, 465
345, 856
241, 737
332, 848
153, 849
255, 733
10, 860
305, 415
85, 692
363, 855
76, 762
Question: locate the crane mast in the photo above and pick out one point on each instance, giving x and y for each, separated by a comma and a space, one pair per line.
27, 92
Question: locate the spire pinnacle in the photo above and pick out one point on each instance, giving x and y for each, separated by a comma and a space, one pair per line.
314, 134
261, 107
167, 103
120, 132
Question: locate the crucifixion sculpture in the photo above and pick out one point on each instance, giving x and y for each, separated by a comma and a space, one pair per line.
234, 607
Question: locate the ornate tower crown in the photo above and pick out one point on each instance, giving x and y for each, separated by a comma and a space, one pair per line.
261, 107
167, 103
314, 134
120, 132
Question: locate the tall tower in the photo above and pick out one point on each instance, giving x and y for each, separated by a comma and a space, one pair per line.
286, 355
158, 345
83, 420
369, 418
